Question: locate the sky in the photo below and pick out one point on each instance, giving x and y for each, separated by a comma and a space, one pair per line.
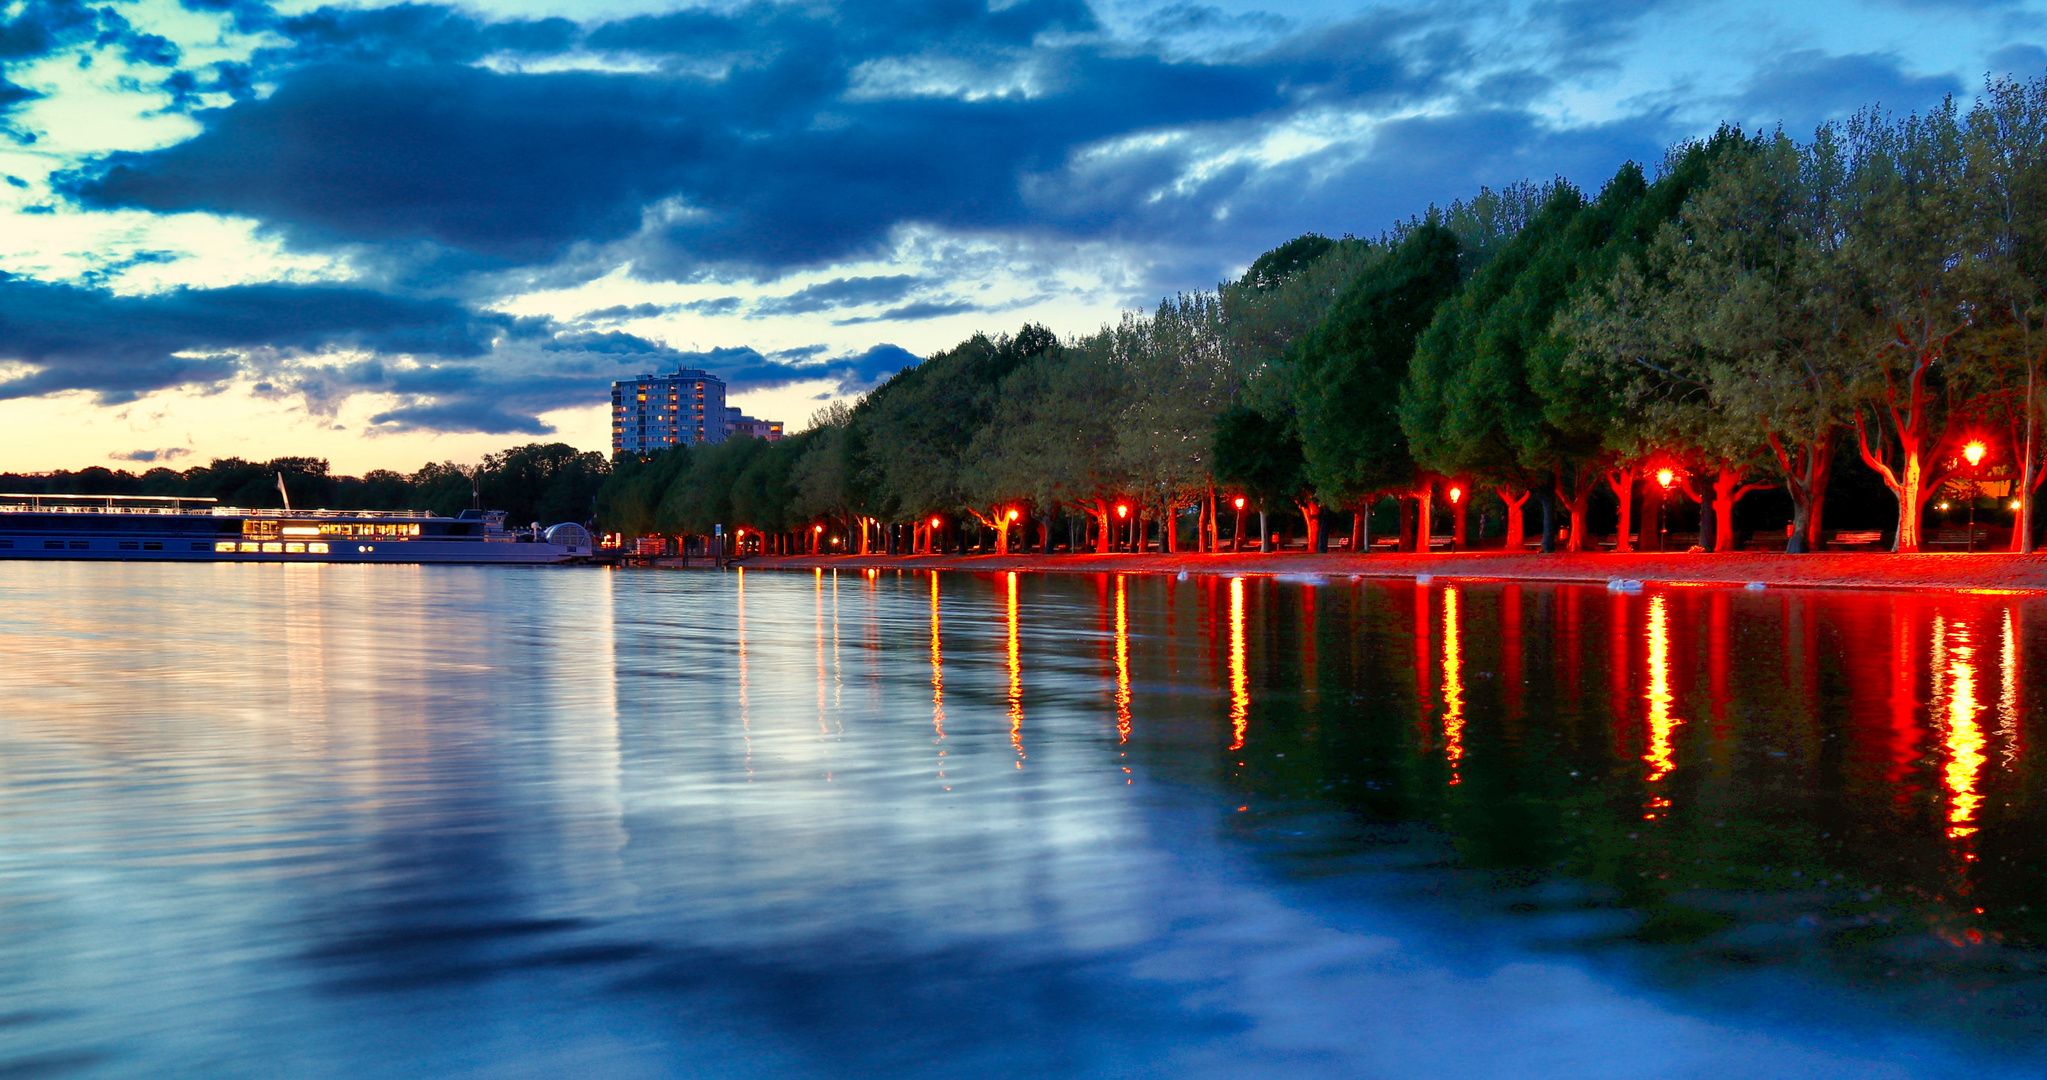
392, 234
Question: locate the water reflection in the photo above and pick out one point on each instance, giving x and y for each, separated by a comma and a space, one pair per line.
1955, 703
1453, 685
391, 822
1661, 722
937, 678
1122, 660
1014, 656
1240, 681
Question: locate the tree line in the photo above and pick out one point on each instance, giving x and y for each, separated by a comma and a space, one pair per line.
1756, 311
545, 482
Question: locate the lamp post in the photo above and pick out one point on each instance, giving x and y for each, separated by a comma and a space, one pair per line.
1973, 454
1122, 512
1008, 521
1237, 533
1663, 479
1456, 496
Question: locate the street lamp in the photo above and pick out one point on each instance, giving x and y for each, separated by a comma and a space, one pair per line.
1973, 454
1237, 527
1122, 512
1664, 477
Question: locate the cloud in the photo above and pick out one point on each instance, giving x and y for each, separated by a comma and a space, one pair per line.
838, 292
746, 149
167, 454
1804, 88
922, 309
2019, 61
75, 338
619, 312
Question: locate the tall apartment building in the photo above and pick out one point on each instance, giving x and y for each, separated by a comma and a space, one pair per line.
655, 412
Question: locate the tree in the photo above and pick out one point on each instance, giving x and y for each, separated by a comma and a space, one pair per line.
1345, 378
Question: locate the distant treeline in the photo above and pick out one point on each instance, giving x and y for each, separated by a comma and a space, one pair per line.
549, 483
1758, 311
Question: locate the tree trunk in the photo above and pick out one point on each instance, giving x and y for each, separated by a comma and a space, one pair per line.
1458, 541
1405, 503
1728, 490
1264, 532
1311, 517
1425, 517
1577, 501
1622, 481
1513, 540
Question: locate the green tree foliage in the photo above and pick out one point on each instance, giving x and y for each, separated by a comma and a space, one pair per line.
1345, 377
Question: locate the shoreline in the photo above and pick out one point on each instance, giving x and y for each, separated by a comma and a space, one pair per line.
1993, 572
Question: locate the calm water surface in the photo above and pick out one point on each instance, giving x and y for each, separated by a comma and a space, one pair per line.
286, 821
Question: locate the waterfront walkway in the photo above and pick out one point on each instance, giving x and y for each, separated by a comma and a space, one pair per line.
1999, 572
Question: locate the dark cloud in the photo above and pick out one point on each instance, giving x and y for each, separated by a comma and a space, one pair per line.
2019, 61
838, 292
1802, 89
120, 346
617, 312
922, 309
745, 368
381, 130
168, 453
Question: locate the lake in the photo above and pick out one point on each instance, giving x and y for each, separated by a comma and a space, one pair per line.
314, 821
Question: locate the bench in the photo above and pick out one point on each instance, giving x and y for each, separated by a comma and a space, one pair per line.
1959, 538
1606, 543
1846, 540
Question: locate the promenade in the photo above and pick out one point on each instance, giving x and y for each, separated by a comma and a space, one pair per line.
1986, 572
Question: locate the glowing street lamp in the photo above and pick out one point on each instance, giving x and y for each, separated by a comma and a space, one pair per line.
1240, 502
1012, 515
1664, 477
1973, 454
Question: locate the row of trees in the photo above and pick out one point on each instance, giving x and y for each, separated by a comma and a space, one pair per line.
544, 482
1735, 321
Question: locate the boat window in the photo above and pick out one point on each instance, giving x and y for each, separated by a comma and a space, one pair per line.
316, 549
224, 545
294, 549
80, 545
58, 544
152, 545
131, 545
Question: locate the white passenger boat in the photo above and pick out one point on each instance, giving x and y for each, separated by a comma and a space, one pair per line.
146, 527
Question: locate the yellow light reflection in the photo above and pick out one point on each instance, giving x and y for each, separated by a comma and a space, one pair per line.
1453, 685
1960, 732
1122, 662
937, 676
1240, 681
2008, 699
1015, 676
1661, 723
745, 713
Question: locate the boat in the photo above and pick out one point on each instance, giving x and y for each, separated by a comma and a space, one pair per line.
182, 529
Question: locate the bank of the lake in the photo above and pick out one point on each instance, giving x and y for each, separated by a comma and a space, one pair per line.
2000, 571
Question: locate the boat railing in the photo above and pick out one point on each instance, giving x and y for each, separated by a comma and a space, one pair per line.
176, 505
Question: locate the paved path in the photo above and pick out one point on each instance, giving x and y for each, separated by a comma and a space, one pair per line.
1999, 572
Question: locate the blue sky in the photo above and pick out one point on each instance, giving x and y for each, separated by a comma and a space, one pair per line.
388, 234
